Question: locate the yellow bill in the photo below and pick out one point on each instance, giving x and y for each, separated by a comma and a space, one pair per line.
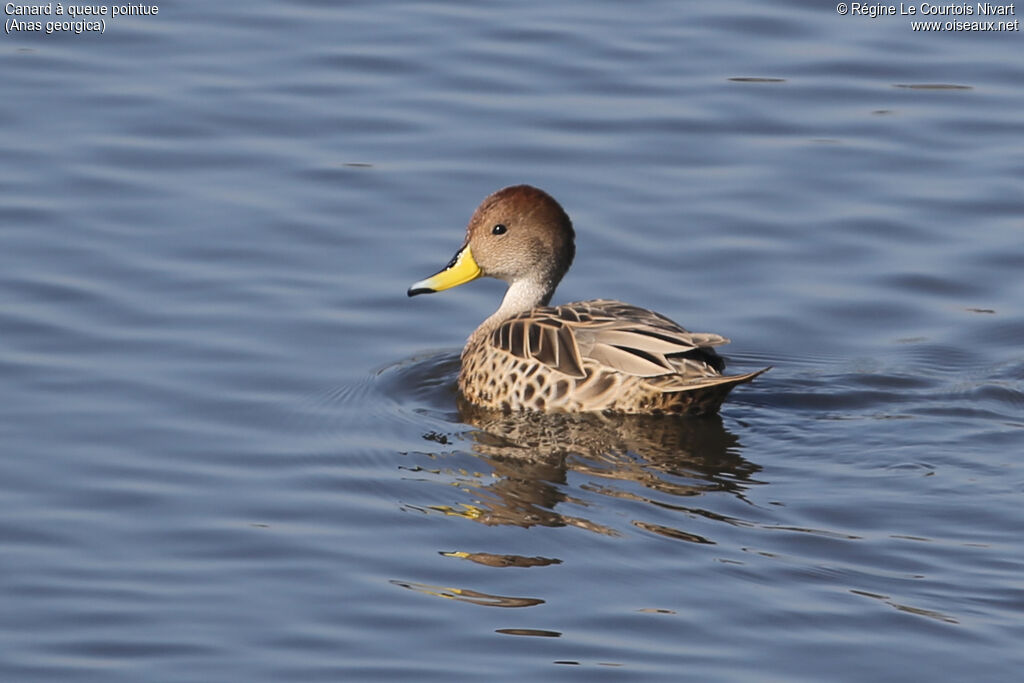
460, 270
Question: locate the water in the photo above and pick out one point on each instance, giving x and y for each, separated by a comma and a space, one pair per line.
232, 446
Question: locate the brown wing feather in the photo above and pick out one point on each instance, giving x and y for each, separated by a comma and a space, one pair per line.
616, 335
643, 343
538, 335
630, 361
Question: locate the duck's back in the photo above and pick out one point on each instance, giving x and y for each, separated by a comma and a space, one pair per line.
593, 356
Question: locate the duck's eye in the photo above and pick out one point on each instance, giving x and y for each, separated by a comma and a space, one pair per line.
499, 229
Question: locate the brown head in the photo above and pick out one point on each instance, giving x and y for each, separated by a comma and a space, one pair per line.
520, 235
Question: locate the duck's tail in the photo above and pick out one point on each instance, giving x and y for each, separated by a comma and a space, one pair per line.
702, 395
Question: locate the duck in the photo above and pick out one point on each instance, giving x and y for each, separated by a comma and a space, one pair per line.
599, 355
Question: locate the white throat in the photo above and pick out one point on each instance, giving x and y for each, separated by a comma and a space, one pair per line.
522, 295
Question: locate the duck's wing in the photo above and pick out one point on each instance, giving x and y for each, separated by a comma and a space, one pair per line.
608, 335
540, 336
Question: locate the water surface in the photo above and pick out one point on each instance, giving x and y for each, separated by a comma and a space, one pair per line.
233, 448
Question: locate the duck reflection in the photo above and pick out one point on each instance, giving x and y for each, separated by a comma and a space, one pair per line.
534, 454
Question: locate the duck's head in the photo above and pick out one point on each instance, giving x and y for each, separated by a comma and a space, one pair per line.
520, 235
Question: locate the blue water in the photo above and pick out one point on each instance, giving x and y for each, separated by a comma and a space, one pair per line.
232, 448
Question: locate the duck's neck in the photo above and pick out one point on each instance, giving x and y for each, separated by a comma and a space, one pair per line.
522, 295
